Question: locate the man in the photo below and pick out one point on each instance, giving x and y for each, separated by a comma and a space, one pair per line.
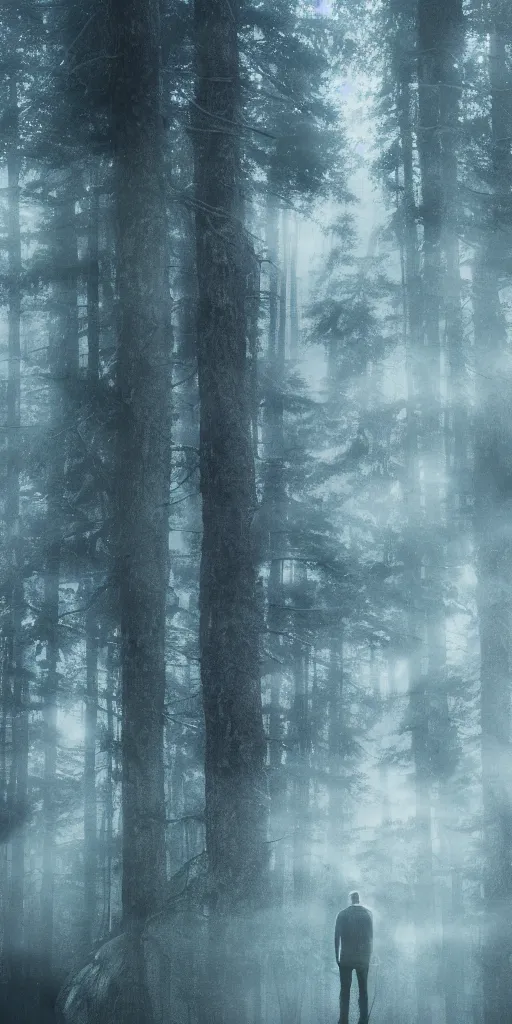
354, 934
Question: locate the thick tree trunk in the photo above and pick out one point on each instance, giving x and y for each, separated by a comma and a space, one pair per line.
143, 456
236, 805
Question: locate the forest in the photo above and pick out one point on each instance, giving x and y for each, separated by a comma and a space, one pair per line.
255, 508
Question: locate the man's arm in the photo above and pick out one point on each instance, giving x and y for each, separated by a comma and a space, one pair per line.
337, 939
370, 928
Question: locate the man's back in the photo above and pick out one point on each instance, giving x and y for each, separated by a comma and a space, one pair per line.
354, 929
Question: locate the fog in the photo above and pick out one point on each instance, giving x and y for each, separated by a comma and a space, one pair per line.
255, 511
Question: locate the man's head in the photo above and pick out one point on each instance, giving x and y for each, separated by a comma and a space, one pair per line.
353, 897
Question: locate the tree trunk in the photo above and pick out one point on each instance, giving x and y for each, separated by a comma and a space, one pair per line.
90, 799
49, 697
143, 455
415, 504
336, 726
458, 516
493, 505
91, 623
93, 280
236, 805
457, 425
16, 679
294, 295
274, 506
4, 867
63, 363
253, 339
109, 785
439, 30
301, 776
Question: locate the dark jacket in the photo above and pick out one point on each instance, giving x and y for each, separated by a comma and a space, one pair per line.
354, 932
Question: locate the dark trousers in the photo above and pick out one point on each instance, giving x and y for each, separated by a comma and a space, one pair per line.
345, 983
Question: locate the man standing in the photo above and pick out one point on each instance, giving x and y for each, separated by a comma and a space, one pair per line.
354, 934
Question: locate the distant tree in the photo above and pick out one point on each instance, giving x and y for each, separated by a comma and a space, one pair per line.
492, 497
16, 690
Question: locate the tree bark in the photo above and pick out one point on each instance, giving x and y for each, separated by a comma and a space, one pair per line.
93, 280
143, 455
294, 292
301, 773
458, 504
14, 667
493, 505
109, 785
274, 509
415, 510
90, 797
236, 805
91, 620
63, 363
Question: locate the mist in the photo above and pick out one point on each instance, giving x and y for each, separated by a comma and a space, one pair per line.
256, 511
